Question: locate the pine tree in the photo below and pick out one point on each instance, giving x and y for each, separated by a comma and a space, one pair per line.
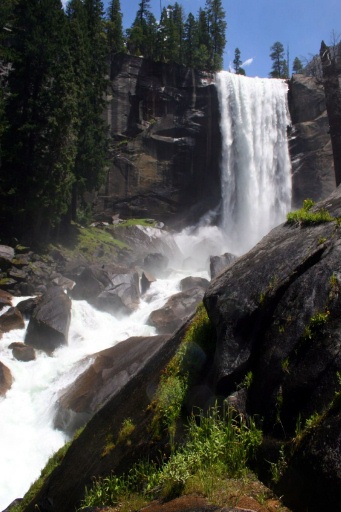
297, 66
142, 37
237, 63
217, 29
39, 143
114, 28
190, 41
171, 34
89, 57
279, 66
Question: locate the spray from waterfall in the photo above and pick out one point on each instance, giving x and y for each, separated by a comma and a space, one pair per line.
255, 164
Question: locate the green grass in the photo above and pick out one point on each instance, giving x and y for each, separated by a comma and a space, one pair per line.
218, 445
304, 216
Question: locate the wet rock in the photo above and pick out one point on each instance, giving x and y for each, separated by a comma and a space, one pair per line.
193, 282
27, 306
146, 280
90, 282
156, 263
6, 379
121, 296
5, 299
49, 325
176, 310
108, 372
11, 320
22, 352
6, 256
219, 263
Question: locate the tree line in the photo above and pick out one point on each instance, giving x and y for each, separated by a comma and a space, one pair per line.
54, 68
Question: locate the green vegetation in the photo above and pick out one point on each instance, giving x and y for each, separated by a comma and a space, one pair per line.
316, 323
305, 216
180, 373
279, 63
218, 445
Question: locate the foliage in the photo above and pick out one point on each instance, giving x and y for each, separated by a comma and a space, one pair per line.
181, 372
316, 322
279, 63
305, 217
217, 443
237, 63
297, 66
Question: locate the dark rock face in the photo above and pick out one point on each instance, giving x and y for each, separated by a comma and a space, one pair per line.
310, 144
110, 370
331, 68
173, 314
166, 142
277, 314
49, 325
193, 282
6, 379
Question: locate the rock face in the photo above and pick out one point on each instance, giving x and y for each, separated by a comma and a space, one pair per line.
166, 142
109, 371
49, 325
331, 67
310, 144
277, 314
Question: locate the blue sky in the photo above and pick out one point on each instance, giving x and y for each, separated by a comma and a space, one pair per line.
254, 25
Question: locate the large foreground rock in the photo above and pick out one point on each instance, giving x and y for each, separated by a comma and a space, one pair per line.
49, 325
109, 371
277, 313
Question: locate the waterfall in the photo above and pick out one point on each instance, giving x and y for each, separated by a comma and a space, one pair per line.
255, 163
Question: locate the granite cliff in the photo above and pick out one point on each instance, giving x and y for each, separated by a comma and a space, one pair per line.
166, 142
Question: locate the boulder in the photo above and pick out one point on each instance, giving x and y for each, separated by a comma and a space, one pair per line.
193, 282
108, 372
27, 306
146, 280
218, 263
6, 379
22, 352
49, 325
121, 296
12, 319
90, 282
176, 310
156, 263
5, 299
6, 256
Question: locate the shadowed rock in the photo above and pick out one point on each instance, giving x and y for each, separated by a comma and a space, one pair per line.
5, 299
49, 325
193, 282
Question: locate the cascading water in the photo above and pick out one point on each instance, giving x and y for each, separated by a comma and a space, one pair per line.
255, 165
256, 191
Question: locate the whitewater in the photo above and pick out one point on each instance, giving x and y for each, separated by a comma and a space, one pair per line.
256, 195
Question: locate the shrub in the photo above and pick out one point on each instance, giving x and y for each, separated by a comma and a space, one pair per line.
305, 216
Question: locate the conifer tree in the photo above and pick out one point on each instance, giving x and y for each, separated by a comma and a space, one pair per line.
237, 63
279, 64
217, 29
114, 28
39, 142
89, 57
142, 36
190, 41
